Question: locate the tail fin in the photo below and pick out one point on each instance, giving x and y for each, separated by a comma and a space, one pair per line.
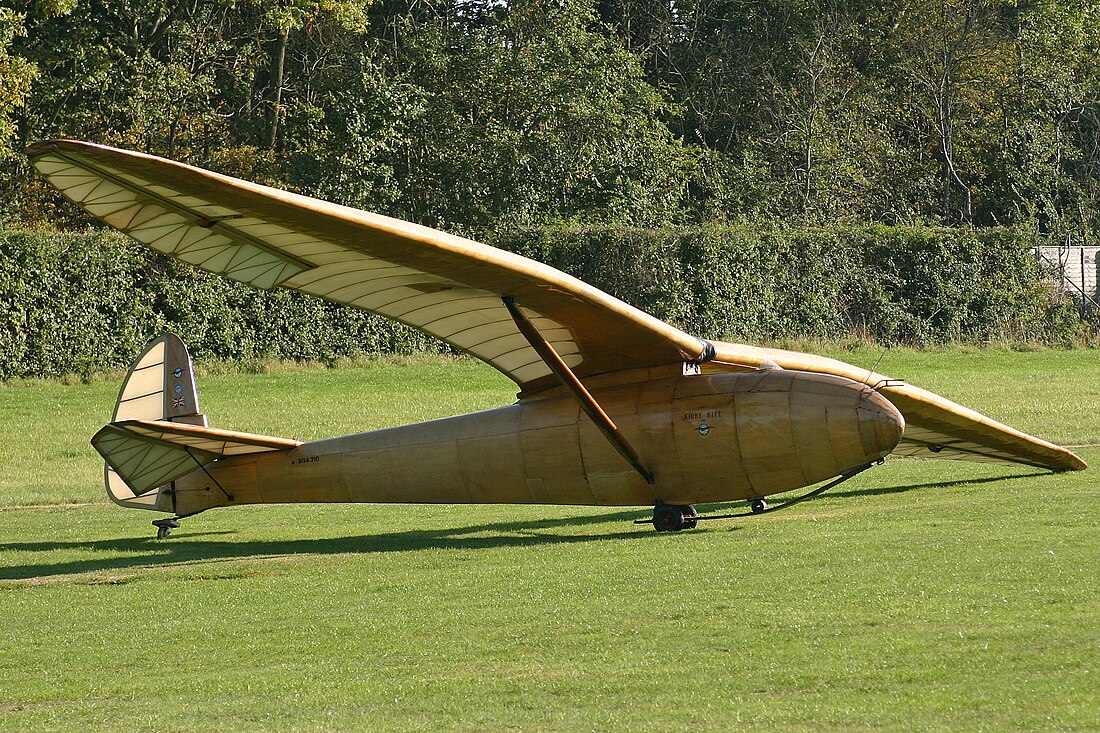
160, 385
158, 434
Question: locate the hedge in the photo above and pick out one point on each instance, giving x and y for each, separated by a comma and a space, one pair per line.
87, 302
896, 285
77, 303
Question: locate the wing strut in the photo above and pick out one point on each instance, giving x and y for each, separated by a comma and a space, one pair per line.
588, 403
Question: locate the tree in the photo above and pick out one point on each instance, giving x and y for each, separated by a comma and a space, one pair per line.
538, 116
1052, 149
16, 74
955, 54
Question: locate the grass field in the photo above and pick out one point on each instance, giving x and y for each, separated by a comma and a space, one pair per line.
921, 596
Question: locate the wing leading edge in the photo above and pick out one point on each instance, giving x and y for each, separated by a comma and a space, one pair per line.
935, 427
441, 284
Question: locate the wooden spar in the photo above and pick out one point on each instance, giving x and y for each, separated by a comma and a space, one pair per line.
587, 402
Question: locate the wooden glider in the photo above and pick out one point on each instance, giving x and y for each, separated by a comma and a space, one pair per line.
615, 408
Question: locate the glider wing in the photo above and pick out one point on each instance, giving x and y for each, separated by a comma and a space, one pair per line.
441, 284
935, 427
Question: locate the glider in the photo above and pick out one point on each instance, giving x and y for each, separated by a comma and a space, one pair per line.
615, 407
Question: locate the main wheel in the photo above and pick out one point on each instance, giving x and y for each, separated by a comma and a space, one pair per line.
668, 518
163, 532
759, 506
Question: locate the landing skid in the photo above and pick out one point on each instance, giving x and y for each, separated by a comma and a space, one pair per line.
675, 517
165, 526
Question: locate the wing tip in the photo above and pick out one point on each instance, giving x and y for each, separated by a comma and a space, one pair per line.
43, 147
1056, 458
1073, 462
40, 148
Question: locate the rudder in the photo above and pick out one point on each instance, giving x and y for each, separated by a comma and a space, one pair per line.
159, 386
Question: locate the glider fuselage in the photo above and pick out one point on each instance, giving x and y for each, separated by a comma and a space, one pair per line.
610, 413
706, 438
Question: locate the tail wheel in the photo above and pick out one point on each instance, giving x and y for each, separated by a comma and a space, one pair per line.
165, 527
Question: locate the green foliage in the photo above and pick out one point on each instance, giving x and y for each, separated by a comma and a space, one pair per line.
16, 75
908, 285
539, 117
81, 303
466, 115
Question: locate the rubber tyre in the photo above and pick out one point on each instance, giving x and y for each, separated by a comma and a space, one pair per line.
668, 518
691, 517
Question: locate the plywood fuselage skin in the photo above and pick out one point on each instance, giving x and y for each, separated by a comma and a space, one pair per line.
705, 438
789, 430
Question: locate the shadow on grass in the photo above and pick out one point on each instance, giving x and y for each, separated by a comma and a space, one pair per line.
197, 547
936, 485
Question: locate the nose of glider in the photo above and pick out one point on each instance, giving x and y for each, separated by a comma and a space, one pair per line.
880, 424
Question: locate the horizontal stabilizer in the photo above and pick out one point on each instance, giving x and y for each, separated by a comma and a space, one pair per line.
209, 440
150, 453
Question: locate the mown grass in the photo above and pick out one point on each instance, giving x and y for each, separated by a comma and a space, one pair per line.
923, 595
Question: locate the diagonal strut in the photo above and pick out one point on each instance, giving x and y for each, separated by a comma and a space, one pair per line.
588, 403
